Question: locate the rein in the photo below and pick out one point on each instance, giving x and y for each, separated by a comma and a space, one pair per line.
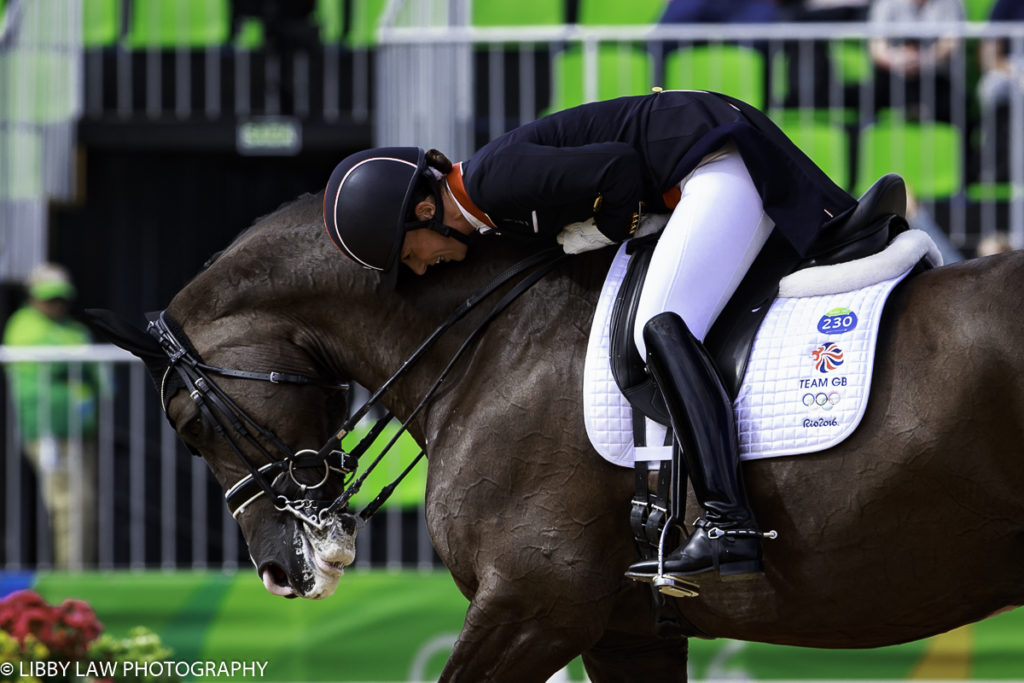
213, 402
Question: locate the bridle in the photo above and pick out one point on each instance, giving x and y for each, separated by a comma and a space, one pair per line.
186, 370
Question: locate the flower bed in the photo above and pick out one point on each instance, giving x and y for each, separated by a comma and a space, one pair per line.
57, 643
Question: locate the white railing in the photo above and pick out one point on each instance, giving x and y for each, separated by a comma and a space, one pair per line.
139, 467
155, 505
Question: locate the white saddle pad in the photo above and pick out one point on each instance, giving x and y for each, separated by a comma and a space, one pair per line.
809, 375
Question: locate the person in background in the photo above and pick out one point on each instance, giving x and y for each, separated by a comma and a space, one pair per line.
56, 407
907, 70
1002, 80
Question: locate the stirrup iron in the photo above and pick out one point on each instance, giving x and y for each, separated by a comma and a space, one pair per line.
667, 584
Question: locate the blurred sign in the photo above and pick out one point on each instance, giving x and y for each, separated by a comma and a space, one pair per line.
269, 136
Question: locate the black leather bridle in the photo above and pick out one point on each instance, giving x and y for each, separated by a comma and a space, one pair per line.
186, 370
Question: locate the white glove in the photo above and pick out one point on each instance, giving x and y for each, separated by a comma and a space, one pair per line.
577, 238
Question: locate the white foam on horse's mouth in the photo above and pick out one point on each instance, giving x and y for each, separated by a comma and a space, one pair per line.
324, 555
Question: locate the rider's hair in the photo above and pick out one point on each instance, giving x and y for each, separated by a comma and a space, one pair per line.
438, 161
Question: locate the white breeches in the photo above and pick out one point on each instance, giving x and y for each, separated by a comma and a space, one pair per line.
714, 234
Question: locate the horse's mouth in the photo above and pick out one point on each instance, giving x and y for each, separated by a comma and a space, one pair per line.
318, 562
327, 567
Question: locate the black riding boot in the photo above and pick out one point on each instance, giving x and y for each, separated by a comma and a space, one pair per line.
726, 538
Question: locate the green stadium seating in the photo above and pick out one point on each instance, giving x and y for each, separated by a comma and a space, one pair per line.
731, 69
250, 34
978, 10
851, 60
621, 70
825, 142
518, 13
101, 22
329, 15
162, 24
366, 18
929, 156
618, 13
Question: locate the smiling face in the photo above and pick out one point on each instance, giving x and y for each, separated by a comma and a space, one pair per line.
423, 248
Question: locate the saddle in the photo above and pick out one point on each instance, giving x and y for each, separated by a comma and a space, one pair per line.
878, 217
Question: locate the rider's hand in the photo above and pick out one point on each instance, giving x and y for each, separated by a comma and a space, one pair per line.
577, 238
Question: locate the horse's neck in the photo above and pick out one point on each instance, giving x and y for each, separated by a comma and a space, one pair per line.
284, 274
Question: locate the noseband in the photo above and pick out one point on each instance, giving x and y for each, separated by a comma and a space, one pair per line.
229, 420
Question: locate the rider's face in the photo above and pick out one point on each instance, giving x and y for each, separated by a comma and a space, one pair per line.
423, 248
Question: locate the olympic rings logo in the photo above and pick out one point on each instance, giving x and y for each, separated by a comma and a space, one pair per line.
821, 400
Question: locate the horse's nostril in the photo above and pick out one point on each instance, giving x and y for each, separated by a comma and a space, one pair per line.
276, 580
277, 574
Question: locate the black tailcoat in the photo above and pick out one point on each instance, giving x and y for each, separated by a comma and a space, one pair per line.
606, 158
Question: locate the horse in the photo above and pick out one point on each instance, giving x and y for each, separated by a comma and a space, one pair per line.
912, 526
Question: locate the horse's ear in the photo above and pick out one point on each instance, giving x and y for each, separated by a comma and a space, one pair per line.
120, 331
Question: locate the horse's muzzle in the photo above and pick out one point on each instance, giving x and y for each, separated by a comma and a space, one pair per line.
313, 561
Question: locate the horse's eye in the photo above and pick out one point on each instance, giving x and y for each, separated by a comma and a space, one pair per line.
195, 426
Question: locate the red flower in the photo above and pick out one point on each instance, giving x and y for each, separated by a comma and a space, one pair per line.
76, 614
16, 604
37, 621
66, 631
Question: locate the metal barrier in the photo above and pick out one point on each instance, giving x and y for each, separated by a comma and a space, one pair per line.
155, 505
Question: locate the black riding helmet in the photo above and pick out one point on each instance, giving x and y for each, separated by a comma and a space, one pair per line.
368, 202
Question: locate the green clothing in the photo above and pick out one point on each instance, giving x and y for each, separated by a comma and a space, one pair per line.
60, 385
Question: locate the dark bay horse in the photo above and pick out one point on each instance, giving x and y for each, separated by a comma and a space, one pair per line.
913, 526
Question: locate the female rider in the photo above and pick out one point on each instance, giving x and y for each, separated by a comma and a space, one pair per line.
585, 176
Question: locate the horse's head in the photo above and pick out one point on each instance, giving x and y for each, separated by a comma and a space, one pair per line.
229, 397
281, 301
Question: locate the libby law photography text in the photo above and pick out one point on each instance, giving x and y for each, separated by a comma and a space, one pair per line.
201, 669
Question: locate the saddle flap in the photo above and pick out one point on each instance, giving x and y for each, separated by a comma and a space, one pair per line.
627, 367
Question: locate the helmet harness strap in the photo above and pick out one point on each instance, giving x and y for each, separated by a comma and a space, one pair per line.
436, 222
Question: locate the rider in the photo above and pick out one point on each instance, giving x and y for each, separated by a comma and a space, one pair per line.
586, 176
